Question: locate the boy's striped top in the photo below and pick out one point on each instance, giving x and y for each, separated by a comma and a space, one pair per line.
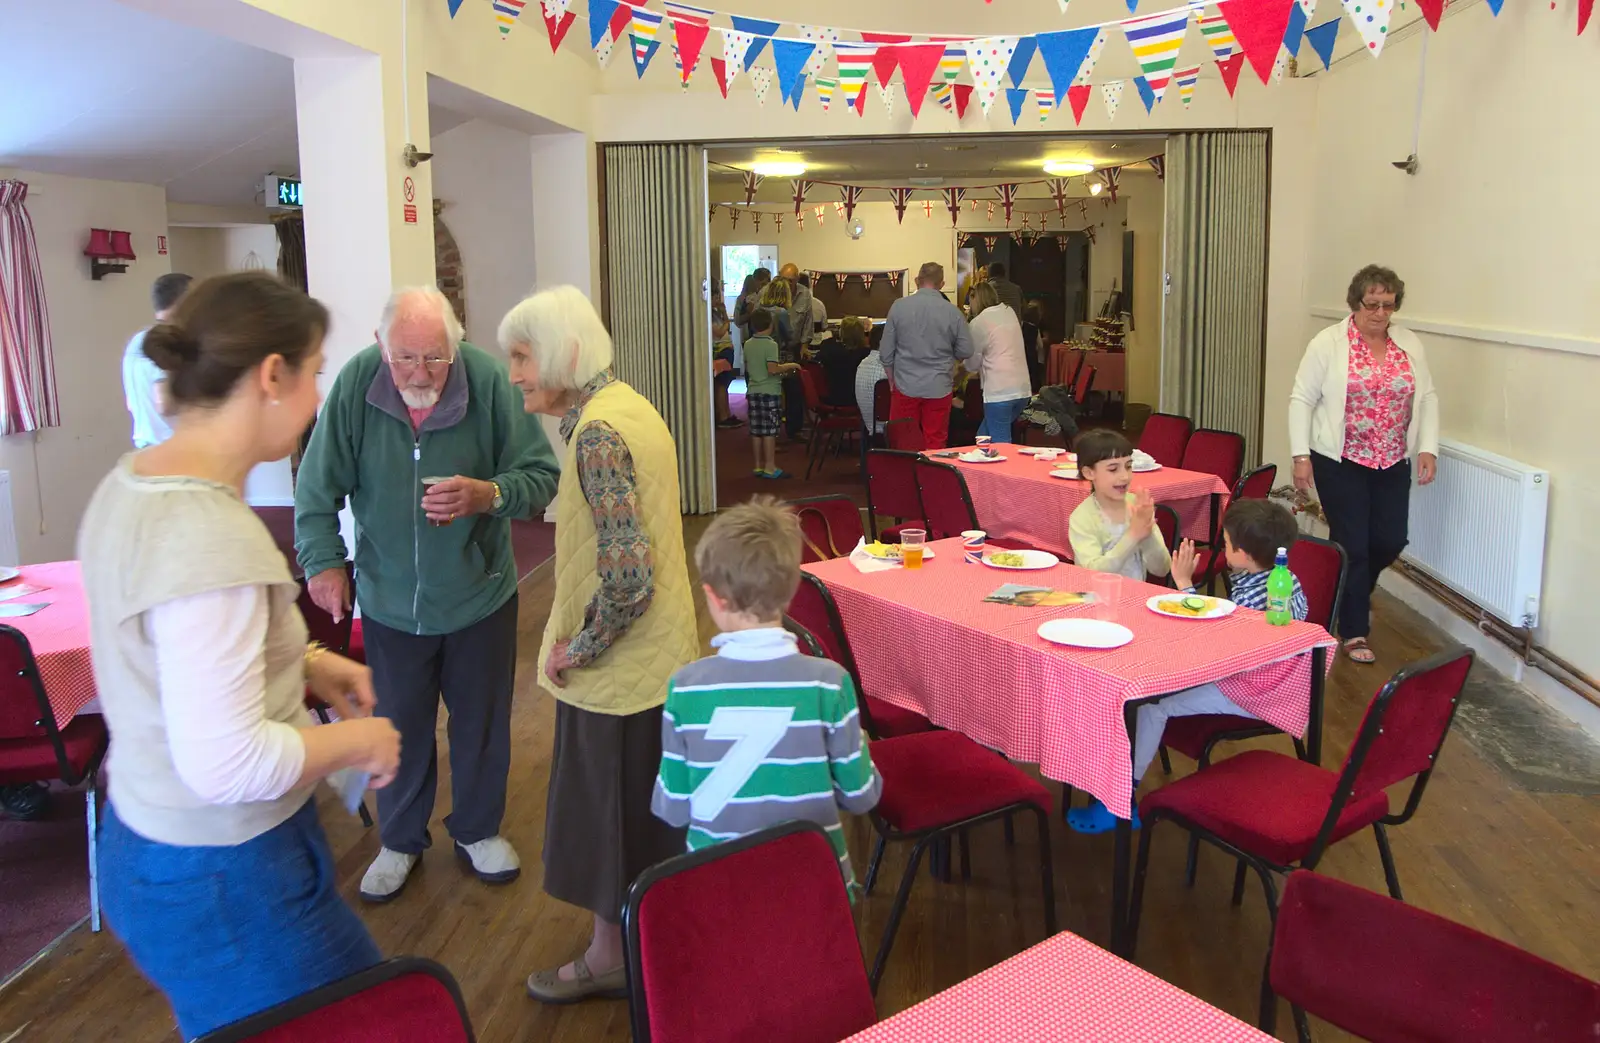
749, 744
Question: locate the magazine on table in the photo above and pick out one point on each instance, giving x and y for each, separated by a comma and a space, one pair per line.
1024, 596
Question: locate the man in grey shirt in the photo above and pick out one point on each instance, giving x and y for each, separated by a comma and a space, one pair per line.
923, 340
1010, 293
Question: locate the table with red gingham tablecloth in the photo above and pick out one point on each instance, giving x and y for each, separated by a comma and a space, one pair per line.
59, 635
1064, 990
1018, 498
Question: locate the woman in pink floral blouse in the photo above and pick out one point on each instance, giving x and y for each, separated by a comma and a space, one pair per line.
1363, 405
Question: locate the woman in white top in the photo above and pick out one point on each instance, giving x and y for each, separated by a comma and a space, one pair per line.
215, 871
1000, 360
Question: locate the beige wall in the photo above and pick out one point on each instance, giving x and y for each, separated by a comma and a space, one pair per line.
1495, 239
54, 471
204, 252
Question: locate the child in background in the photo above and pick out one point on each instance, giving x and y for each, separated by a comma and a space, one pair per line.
764, 393
1252, 532
759, 734
1113, 531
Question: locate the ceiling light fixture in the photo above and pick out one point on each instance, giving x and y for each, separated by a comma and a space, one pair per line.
1067, 168
779, 169
1095, 188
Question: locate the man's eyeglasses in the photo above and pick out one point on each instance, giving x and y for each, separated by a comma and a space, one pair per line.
1378, 306
413, 361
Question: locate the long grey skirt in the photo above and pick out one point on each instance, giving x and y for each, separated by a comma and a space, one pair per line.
599, 833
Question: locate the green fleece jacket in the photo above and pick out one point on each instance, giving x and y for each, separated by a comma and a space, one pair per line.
411, 575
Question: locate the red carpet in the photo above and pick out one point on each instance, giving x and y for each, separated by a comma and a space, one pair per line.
44, 875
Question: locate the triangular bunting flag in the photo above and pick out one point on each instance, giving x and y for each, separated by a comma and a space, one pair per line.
1297, 28
1159, 163
1280, 64
799, 89
1372, 21
1147, 93
1111, 177
885, 37
755, 219
1494, 7
839, 280
927, 209
799, 187
690, 30
900, 197
1008, 199
761, 76
646, 24
1229, 69
818, 212
1078, 96
600, 12
854, 62
1058, 193
455, 5
1585, 11
681, 12
1321, 38
1309, 7
1046, 100
963, 93
1185, 79
825, 88
1431, 10
1021, 58
733, 216
989, 242
734, 46
1063, 4
944, 96
824, 37
1014, 98
884, 61
557, 20
839, 208
990, 211
1216, 33
790, 57
866, 280
759, 32
778, 220
1111, 94
1064, 54
952, 203
1095, 48
1155, 42
719, 69
917, 64
989, 59
886, 95
800, 225
1259, 25
677, 63
952, 61
752, 181
852, 196
506, 12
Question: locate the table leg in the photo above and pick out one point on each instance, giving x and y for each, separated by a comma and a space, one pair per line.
1119, 887
1319, 678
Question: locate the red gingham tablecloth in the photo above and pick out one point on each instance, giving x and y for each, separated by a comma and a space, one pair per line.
59, 635
1110, 367
1063, 990
1018, 498
926, 640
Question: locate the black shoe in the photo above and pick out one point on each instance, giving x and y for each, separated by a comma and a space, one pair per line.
28, 802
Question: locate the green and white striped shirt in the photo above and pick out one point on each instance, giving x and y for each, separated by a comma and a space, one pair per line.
760, 734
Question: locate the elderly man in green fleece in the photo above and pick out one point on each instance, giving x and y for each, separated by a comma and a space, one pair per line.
434, 572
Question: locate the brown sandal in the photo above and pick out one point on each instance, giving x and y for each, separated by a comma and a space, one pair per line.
1359, 651
550, 987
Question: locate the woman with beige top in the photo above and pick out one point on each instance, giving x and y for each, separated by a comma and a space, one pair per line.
214, 869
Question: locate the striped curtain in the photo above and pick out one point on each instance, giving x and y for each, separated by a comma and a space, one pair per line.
657, 269
1214, 318
27, 360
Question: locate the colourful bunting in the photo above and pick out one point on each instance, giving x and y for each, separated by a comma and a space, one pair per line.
1297, 27
646, 24
1147, 93
600, 12
1021, 58
1078, 96
854, 61
761, 76
690, 27
917, 65
557, 20
882, 38
608, 24
884, 61
759, 30
952, 202
505, 14
1280, 64
1322, 37
735, 45
1014, 98
1494, 7
944, 96
1259, 26
1431, 10
963, 93
455, 5
1111, 94
1216, 33
1229, 68
825, 88
900, 197
1185, 79
1155, 42
824, 37
886, 95
1064, 54
989, 59
719, 69
952, 61
1371, 18
1095, 48
790, 57
677, 63
1046, 100
1585, 11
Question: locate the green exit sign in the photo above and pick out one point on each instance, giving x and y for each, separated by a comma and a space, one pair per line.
283, 193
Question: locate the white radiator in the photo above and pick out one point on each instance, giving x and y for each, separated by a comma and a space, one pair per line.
1480, 529
8, 524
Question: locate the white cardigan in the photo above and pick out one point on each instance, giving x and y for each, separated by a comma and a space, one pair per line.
998, 355
1317, 403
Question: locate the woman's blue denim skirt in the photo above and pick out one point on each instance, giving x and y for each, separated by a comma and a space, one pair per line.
226, 932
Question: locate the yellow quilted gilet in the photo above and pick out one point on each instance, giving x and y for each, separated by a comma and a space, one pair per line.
632, 674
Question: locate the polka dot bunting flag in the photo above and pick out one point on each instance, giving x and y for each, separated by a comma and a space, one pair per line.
989, 59
1371, 19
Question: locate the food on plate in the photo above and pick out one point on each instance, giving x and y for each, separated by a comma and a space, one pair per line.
1185, 606
884, 550
1008, 558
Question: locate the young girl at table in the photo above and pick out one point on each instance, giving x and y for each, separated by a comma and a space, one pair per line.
1252, 532
1113, 530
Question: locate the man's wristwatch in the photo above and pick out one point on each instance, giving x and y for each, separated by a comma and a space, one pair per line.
499, 500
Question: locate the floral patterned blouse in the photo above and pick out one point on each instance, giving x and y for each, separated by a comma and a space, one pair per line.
1377, 409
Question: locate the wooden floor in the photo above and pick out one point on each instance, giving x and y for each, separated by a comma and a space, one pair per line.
1519, 865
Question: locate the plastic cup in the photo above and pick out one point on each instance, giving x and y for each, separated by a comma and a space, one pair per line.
1107, 590
911, 546
982, 442
972, 541
429, 483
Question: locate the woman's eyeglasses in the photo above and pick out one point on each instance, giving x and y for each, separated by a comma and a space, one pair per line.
1378, 306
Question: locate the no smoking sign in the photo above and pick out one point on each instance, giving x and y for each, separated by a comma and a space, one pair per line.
410, 208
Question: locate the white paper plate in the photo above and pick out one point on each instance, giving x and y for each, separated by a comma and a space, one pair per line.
1031, 560
1085, 633
927, 553
1142, 468
979, 458
9, 573
1069, 475
1220, 607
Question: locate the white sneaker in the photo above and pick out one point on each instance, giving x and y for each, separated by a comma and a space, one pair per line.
386, 875
494, 860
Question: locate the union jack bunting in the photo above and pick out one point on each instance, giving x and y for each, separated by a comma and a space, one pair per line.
952, 201
900, 196
927, 208
801, 187
779, 219
733, 215
1058, 193
1111, 176
839, 280
752, 181
1159, 165
755, 219
1088, 230
989, 242
819, 211
800, 223
989, 213
866, 280
1008, 198
852, 196
1061, 241
838, 209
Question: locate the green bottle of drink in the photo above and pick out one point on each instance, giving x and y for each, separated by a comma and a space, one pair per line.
1280, 591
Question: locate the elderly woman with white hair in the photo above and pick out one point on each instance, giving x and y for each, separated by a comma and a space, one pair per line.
621, 622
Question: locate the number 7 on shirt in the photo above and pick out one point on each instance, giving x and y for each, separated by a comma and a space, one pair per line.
755, 732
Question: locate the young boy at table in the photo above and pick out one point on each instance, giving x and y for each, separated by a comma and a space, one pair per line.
763, 375
758, 733
1113, 530
1252, 532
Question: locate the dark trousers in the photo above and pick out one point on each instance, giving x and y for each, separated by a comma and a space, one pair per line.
1367, 513
794, 405
473, 669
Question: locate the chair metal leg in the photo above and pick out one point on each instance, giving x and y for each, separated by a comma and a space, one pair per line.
1066, 799
875, 864
1268, 1022
1136, 902
1302, 1027
1390, 875
1238, 883
1166, 761
897, 910
366, 816
1047, 874
1011, 833
1299, 748
1192, 863
91, 814
811, 447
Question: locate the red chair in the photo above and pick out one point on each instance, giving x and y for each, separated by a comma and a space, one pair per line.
1164, 437
830, 526
830, 425
405, 998
34, 749
1168, 525
1256, 485
1275, 812
947, 504
335, 637
815, 610
280, 525
892, 491
882, 401
1393, 973
749, 939
903, 434
1083, 384
1215, 452
358, 642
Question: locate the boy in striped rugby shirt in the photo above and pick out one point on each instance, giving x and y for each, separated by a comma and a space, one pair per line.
758, 733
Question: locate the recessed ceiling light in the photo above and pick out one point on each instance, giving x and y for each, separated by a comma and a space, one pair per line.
779, 169
1067, 168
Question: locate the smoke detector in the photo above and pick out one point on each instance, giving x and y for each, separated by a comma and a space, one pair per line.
926, 182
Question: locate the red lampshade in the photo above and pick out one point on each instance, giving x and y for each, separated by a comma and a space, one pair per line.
121, 247
99, 245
